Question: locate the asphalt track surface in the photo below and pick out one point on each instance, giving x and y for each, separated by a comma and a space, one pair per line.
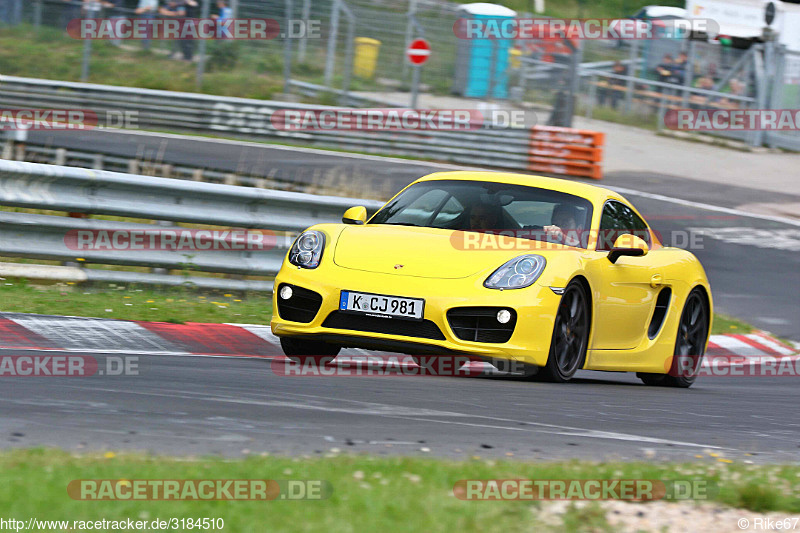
195, 405
231, 406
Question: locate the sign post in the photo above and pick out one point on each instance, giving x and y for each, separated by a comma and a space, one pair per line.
417, 53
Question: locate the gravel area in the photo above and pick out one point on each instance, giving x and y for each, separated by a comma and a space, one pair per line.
678, 517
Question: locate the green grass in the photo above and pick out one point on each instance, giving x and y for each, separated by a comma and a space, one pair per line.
609, 114
51, 54
128, 302
369, 493
728, 324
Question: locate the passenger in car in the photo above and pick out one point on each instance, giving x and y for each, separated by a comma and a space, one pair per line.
564, 226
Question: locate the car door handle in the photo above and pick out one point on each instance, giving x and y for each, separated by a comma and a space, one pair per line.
656, 280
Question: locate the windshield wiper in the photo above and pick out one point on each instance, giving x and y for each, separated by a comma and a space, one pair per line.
403, 224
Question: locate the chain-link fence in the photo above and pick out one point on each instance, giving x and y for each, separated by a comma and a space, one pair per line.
336, 46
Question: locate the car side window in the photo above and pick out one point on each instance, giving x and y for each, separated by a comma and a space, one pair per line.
618, 219
420, 211
449, 213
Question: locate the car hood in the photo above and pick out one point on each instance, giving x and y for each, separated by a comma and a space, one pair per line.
420, 252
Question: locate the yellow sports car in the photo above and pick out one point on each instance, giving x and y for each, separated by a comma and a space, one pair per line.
550, 274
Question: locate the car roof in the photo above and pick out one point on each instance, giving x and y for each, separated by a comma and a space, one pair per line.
596, 195
665, 11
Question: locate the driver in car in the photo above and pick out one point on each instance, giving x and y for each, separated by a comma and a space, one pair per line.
564, 226
483, 218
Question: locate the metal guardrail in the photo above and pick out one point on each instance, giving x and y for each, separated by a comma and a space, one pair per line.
241, 117
93, 192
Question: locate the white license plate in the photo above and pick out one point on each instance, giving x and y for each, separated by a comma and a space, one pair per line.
381, 305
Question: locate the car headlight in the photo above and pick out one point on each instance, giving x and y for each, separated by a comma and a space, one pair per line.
518, 273
306, 251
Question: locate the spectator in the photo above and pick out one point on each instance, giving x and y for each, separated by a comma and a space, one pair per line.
177, 9
679, 70
664, 70
223, 12
611, 93
116, 14
705, 82
147, 10
737, 88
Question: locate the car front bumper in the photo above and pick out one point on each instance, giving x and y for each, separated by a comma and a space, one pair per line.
535, 308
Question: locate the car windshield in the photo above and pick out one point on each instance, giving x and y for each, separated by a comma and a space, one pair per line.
488, 207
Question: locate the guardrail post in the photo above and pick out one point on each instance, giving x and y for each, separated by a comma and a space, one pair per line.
287, 47
592, 96
330, 58
92, 9
777, 94
759, 67
37, 15
61, 157
492, 70
662, 109
306, 15
410, 24
348, 58
201, 59
633, 67
688, 74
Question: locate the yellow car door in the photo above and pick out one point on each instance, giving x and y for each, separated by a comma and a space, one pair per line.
624, 291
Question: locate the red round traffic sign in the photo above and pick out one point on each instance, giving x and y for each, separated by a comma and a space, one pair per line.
418, 51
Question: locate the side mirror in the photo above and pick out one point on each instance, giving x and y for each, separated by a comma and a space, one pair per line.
628, 244
355, 215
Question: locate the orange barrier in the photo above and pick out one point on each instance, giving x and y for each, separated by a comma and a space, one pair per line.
566, 151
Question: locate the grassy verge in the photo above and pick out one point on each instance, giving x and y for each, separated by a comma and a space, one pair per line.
249, 70
369, 493
728, 324
128, 302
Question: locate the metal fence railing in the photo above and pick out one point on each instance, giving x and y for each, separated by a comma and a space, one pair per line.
487, 145
165, 202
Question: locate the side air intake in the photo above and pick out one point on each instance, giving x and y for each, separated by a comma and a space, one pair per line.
660, 312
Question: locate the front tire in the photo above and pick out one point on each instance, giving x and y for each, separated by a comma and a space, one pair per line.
302, 350
570, 336
690, 342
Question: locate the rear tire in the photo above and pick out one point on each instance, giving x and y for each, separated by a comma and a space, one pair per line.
690, 341
302, 350
570, 338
